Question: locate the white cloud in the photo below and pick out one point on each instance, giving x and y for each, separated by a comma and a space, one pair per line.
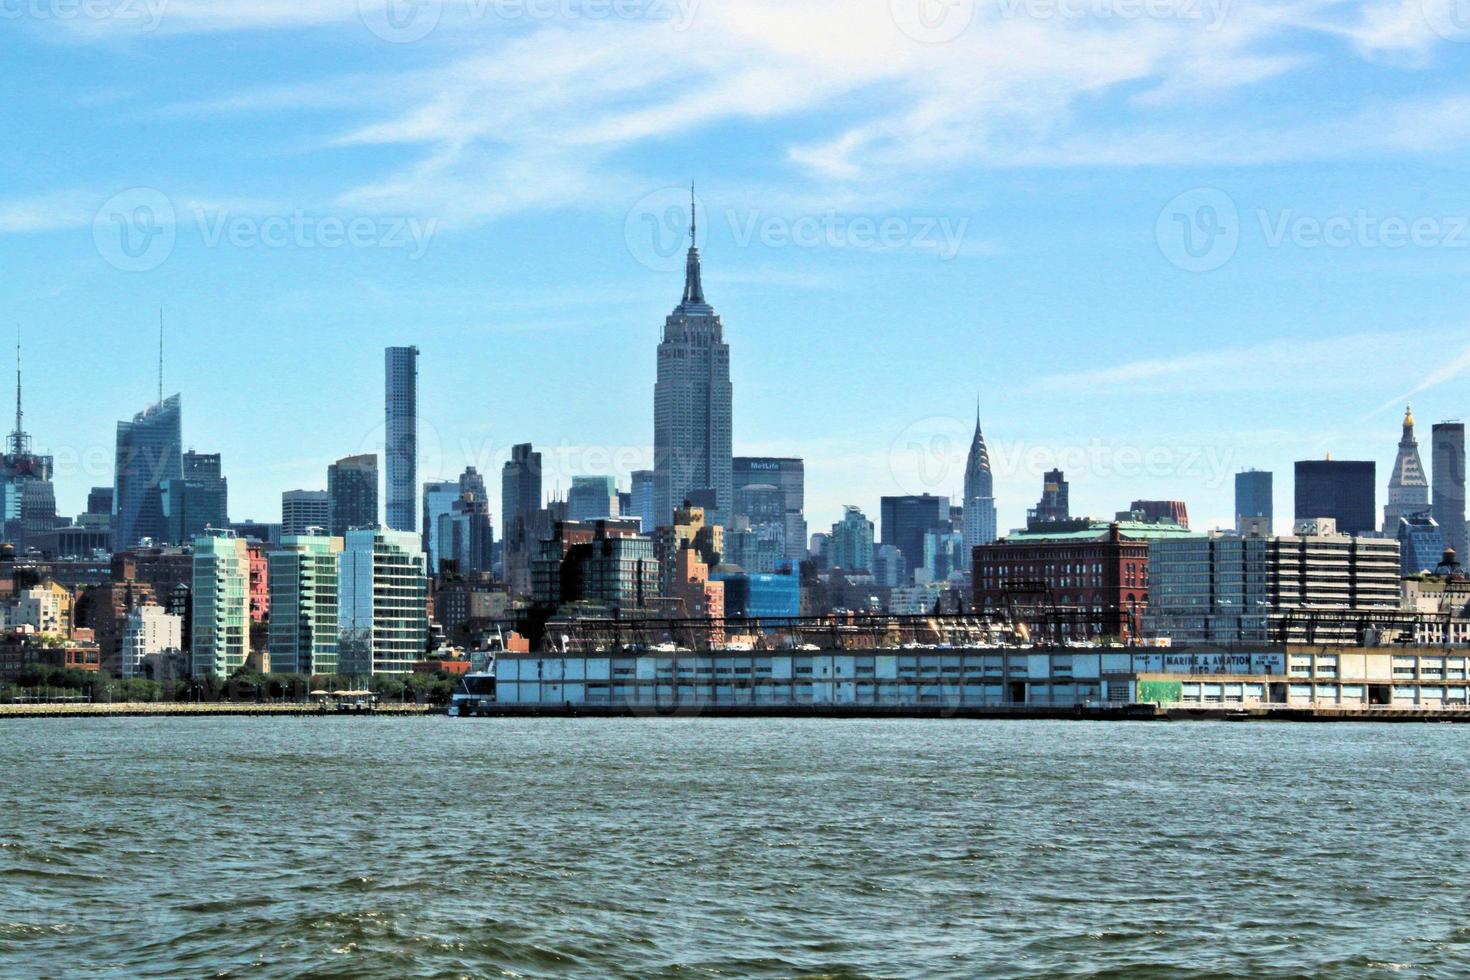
503, 113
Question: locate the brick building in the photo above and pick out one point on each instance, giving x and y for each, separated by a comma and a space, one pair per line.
1074, 580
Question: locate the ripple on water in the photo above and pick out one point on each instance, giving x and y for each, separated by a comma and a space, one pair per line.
688, 848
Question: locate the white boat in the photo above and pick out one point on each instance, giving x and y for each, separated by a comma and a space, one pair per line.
476, 692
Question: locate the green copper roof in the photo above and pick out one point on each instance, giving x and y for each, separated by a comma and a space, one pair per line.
1099, 530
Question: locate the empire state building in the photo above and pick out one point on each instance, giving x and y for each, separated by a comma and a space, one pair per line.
692, 403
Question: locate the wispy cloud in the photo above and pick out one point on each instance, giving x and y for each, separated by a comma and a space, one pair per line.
1334, 362
498, 114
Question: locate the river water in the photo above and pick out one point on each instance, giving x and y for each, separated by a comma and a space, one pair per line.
727, 848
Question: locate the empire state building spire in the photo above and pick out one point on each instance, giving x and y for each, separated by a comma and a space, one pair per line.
693, 288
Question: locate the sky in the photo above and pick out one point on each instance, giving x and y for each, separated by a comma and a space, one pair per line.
1157, 241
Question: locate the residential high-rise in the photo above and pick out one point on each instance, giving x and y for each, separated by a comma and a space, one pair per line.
149, 453
1055, 503
850, 547
788, 476
1343, 490
303, 601
352, 494
305, 509
693, 398
905, 521
1448, 456
592, 498
643, 500
979, 505
1253, 499
220, 625
382, 597
1408, 487
401, 437
197, 500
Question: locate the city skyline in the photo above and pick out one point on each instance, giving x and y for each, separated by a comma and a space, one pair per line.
931, 449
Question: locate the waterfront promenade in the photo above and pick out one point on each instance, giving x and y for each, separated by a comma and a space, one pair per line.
163, 709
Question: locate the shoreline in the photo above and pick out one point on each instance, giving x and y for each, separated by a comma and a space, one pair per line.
1119, 713
155, 709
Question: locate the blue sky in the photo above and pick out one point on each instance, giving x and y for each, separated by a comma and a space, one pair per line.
1160, 240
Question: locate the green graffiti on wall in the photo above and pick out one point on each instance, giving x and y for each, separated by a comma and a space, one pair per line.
1158, 692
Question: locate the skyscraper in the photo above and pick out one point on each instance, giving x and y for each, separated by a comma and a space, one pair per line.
692, 402
979, 507
27, 498
303, 509
643, 500
1408, 487
592, 498
1449, 484
1253, 498
401, 436
905, 521
197, 500
149, 452
1340, 489
352, 494
1055, 503
439, 498
788, 476
851, 546
470, 537
520, 502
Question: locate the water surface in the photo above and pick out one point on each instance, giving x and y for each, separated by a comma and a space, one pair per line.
724, 848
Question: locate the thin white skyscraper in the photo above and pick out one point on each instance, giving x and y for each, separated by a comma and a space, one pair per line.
979, 507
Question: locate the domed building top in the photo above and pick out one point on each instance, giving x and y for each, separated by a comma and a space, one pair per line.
1409, 416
